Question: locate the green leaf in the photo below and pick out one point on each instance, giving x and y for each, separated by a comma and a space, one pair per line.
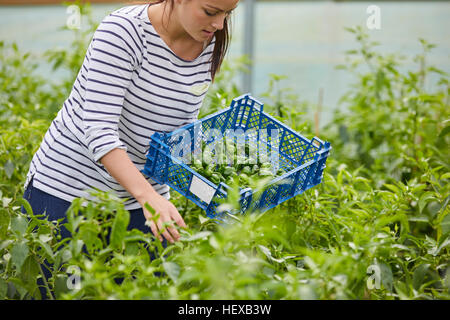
424, 199
131, 248
29, 273
60, 285
402, 290
119, 228
172, 269
19, 253
393, 188
419, 275
9, 168
150, 209
26, 205
75, 247
4, 223
445, 224
359, 212
3, 289
418, 188
196, 236
268, 254
202, 219
19, 225
444, 132
349, 52
5, 244
444, 243
420, 218
6, 202
45, 237
387, 279
350, 29
89, 234
48, 250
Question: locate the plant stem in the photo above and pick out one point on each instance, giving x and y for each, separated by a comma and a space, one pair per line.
45, 281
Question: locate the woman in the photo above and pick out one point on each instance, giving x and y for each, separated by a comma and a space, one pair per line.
146, 69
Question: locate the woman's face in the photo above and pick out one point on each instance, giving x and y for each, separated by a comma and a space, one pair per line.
201, 18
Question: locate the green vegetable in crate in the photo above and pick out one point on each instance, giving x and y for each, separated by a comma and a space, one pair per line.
233, 168
227, 171
265, 172
243, 179
215, 178
246, 170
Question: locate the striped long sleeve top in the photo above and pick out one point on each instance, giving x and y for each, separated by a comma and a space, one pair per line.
130, 85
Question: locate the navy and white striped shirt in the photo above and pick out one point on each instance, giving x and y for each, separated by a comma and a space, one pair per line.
131, 84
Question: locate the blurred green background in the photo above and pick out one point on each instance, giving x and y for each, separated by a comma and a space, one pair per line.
303, 40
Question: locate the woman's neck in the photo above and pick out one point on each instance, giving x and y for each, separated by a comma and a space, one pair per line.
165, 22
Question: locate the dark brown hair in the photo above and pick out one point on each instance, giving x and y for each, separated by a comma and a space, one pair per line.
223, 38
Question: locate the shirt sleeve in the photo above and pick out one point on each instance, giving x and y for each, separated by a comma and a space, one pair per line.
113, 54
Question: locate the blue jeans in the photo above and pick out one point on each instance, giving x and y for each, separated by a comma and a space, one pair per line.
55, 208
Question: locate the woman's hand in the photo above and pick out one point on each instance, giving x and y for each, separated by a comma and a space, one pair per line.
167, 212
125, 172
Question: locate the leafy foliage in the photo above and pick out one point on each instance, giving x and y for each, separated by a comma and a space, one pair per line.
382, 205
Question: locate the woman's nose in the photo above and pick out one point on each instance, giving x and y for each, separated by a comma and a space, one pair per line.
218, 22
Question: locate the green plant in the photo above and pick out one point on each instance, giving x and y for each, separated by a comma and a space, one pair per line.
382, 205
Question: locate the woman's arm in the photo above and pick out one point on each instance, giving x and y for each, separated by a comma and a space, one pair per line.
114, 55
121, 168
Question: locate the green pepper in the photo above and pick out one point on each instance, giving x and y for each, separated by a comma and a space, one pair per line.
243, 179
265, 173
215, 178
266, 165
228, 171
197, 166
246, 170
255, 169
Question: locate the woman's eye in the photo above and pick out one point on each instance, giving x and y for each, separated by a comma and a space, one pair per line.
214, 13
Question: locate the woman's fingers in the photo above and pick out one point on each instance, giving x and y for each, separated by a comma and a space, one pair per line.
154, 229
174, 233
164, 231
169, 216
178, 219
158, 229
173, 216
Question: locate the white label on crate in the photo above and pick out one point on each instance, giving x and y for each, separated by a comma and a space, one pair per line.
201, 189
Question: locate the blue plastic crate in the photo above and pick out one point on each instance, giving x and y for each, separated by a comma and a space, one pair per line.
303, 160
